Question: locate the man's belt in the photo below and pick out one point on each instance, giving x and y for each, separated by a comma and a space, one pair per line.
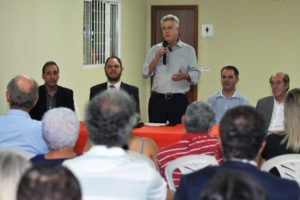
167, 95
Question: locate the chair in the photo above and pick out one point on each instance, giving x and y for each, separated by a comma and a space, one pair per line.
24, 154
186, 165
288, 166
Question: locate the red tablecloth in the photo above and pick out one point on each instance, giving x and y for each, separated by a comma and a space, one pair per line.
165, 135
162, 135
82, 139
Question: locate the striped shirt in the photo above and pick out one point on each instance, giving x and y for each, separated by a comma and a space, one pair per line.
109, 174
191, 143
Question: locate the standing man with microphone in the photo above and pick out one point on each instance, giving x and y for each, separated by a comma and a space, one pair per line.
173, 65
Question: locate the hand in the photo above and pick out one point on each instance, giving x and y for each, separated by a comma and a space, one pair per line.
160, 52
180, 76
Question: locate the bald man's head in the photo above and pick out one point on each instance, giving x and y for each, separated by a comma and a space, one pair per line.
22, 92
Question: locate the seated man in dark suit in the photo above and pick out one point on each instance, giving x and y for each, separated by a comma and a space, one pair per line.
50, 94
113, 70
242, 132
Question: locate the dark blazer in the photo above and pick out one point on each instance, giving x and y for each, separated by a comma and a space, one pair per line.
192, 184
64, 98
130, 89
265, 107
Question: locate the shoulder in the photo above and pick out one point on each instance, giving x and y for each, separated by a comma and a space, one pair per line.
243, 99
213, 97
98, 86
64, 89
125, 85
265, 99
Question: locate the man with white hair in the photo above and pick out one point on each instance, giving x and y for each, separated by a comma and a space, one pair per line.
106, 171
18, 130
60, 129
173, 66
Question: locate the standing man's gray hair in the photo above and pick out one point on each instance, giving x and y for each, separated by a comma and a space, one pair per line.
170, 17
110, 117
199, 117
23, 92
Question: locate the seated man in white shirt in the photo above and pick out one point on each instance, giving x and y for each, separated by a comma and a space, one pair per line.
106, 171
272, 107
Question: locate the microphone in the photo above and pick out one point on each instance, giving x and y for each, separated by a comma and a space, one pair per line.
165, 44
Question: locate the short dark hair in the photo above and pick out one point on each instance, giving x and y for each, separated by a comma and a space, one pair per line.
20, 98
110, 117
116, 57
233, 68
49, 181
49, 63
233, 185
242, 131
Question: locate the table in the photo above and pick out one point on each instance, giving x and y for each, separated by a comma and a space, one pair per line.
162, 135
165, 135
82, 139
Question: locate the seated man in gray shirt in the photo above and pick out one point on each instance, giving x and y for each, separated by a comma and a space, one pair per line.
228, 97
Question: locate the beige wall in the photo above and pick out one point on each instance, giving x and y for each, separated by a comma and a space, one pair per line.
260, 37
35, 31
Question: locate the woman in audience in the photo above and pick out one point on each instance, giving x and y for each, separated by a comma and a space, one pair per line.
12, 166
61, 129
144, 146
288, 142
49, 181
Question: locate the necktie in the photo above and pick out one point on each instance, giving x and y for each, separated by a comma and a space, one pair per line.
112, 87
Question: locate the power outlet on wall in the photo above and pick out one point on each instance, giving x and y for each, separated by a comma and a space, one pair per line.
207, 31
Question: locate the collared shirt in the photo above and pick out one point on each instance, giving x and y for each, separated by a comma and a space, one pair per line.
116, 85
108, 173
221, 104
251, 162
51, 100
189, 144
181, 57
277, 119
19, 131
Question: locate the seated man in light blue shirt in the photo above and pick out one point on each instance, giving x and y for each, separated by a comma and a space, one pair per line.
18, 130
228, 97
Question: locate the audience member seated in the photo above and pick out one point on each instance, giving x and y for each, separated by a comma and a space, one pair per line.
272, 107
18, 130
106, 171
60, 128
233, 185
144, 146
197, 121
12, 167
289, 141
48, 181
242, 132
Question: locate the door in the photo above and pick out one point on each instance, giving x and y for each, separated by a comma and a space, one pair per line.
188, 23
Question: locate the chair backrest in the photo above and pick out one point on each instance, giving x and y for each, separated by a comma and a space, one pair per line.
188, 164
288, 166
24, 154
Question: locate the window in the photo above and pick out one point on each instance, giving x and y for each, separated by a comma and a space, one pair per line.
101, 31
